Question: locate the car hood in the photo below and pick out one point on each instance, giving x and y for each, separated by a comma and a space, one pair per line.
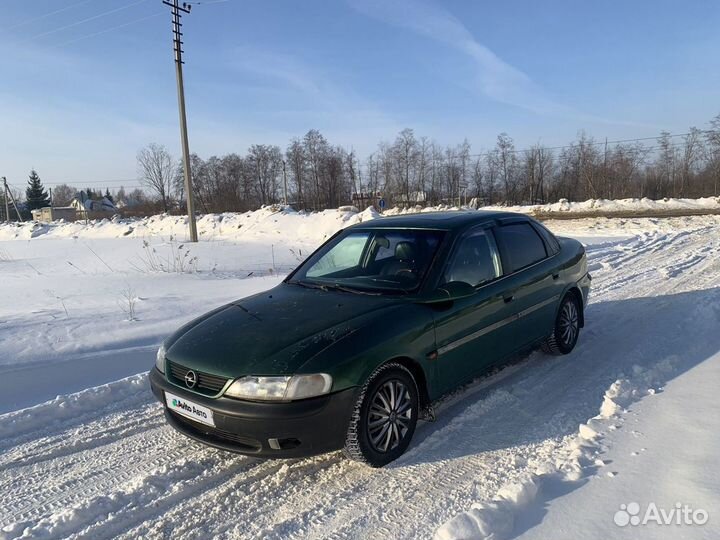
272, 333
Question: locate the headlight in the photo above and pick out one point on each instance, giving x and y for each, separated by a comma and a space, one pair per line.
280, 388
305, 386
160, 359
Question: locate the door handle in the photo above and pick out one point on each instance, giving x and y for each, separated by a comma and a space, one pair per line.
508, 299
555, 276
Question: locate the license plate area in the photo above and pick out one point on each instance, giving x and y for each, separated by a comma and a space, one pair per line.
189, 409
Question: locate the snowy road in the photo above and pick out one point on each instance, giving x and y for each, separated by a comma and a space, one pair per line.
103, 464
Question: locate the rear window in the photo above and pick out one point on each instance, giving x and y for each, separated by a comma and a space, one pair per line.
521, 246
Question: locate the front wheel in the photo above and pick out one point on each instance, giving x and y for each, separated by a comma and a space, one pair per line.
567, 327
385, 416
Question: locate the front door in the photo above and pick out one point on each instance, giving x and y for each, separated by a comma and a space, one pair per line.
472, 333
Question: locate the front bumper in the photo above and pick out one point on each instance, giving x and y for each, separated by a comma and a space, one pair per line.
273, 430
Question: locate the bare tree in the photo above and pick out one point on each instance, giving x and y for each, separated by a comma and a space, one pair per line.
477, 180
315, 148
295, 156
690, 155
354, 177
529, 166
588, 165
334, 185
463, 152
666, 164
491, 176
265, 162
62, 194
713, 152
404, 154
424, 157
156, 168
507, 160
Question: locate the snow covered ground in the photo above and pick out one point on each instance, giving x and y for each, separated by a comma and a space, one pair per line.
622, 206
549, 447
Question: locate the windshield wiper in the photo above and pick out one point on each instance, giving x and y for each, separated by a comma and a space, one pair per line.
334, 287
309, 285
338, 287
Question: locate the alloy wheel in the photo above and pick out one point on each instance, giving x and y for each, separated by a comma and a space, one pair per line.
389, 416
568, 323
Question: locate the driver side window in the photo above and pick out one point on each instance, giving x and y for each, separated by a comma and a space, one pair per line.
475, 261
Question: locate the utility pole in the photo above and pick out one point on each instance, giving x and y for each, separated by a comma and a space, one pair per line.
8, 194
5, 196
177, 10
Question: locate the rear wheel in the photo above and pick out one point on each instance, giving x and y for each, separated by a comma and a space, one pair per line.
567, 327
385, 416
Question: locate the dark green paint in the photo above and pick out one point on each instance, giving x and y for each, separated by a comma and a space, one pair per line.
291, 329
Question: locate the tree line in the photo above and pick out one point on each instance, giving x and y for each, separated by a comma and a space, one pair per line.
313, 174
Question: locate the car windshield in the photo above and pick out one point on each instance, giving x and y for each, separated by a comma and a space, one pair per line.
373, 260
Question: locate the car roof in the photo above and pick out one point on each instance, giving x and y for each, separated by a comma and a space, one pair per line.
448, 220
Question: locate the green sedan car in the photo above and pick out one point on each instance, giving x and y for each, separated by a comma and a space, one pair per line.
353, 347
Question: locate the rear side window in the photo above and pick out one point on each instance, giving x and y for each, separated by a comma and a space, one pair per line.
521, 246
550, 241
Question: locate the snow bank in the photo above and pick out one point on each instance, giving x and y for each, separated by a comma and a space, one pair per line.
605, 206
591, 206
272, 222
73, 406
580, 457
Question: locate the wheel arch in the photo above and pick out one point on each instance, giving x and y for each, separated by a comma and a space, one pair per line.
575, 291
418, 374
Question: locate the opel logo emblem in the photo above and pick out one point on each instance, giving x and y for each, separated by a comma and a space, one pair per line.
190, 379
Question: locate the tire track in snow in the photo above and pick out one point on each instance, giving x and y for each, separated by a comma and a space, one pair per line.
118, 479
85, 474
652, 261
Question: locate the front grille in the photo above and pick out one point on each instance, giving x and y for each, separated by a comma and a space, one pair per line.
206, 383
215, 435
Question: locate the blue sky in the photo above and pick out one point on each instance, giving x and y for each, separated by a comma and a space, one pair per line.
79, 96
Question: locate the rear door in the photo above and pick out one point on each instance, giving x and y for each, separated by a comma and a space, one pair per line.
471, 333
530, 278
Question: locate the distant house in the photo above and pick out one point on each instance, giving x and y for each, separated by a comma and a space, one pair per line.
68, 213
87, 208
414, 197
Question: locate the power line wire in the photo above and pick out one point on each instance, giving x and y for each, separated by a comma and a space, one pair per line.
598, 143
208, 2
46, 15
123, 25
107, 181
83, 21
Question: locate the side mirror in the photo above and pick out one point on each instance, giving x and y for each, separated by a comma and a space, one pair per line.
454, 290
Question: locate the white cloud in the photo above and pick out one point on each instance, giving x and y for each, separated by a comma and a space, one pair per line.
495, 78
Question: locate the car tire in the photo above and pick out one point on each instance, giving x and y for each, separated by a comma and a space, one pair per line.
385, 415
567, 327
